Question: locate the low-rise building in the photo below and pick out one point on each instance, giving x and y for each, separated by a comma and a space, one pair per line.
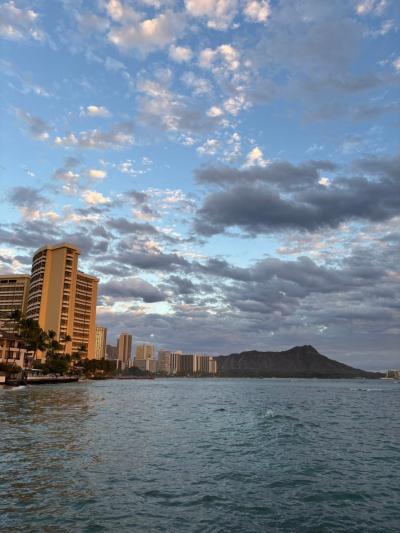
12, 350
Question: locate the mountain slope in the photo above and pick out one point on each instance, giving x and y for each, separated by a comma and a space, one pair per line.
300, 361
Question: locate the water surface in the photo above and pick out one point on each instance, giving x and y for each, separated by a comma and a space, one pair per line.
201, 455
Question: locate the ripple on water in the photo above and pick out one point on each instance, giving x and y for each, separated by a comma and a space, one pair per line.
200, 455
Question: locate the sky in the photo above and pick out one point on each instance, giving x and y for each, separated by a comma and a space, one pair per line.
230, 169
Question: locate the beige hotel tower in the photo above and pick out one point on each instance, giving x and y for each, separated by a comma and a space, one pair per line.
62, 298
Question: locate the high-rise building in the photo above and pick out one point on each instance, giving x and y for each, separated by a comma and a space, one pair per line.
14, 290
111, 352
204, 364
164, 361
186, 365
124, 349
145, 351
212, 366
63, 299
101, 341
176, 363
149, 365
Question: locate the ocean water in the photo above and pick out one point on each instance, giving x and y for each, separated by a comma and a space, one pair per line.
201, 455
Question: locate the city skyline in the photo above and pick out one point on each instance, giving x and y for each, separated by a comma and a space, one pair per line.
229, 169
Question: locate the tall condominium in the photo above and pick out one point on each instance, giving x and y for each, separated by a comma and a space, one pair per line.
63, 299
204, 364
101, 342
176, 363
124, 348
164, 361
14, 290
145, 351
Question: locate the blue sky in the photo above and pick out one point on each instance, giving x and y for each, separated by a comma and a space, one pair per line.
229, 168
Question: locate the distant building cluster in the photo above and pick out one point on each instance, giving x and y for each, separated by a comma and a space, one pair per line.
393, 374
169, 363
63, 299
180, 364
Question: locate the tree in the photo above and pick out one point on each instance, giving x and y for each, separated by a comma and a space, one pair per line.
53, 347
66, 338
14, 319
33, 336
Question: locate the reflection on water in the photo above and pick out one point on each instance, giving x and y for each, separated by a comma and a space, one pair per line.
200, 455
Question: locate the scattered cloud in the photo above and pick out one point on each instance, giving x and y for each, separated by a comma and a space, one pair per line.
257, 11
18, 24
180, 54
96, 111
218, 13
118, 136
256, 158
146, 35
97, 174
95, 198
37, 127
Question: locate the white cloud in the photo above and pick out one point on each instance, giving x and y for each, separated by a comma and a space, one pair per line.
234, 147
66, 175
366, 7
96, 111
180, 54
210, 147
225, 53
148, 35
17, 24
199, 85
215, 112
36, 214
396, 64
95, 197
219, 13
325, 182
120, 135
97, 174
256, 158
235, 104
257, 11
68, 140
120, 12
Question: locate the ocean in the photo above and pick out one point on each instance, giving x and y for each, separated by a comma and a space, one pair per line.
201, 455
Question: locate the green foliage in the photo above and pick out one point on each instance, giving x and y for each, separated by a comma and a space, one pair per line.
98, 366
9, 368
135, 371
56, 365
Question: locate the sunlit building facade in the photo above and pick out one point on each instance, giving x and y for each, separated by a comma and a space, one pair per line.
145, 351
63, 299
101, 342
124, 350
14, 290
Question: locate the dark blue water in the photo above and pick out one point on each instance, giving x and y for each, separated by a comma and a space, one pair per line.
201, 455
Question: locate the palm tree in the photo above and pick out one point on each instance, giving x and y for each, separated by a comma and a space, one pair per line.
52, 344
33, 336
15, 318
66, 338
